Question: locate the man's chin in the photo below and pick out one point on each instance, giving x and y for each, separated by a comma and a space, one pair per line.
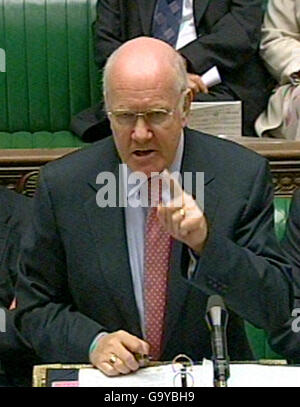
146, 169
149, 172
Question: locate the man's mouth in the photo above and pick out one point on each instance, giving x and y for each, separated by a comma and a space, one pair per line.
143, 153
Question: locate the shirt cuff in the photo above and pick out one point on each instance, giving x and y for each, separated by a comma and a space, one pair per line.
295, 78
95, 341
194, 258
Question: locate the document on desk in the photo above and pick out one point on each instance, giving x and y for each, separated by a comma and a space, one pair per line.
217, 118
255, 375
241, 375
167, 375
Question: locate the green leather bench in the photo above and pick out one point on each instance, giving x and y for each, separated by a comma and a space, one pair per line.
50, 71
50, 74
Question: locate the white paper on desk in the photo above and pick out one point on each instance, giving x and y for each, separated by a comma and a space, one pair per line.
158, 376
249, 375
217, 118
211, 77
146, 377
241, 375
258, 375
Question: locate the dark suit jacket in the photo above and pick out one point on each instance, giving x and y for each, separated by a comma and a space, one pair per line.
291, 241
76, 278
228, 34
285, 341
15, 211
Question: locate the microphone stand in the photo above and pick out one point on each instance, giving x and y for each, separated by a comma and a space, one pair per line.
217, 318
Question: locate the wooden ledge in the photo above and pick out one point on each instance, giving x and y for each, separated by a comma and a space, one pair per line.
35, 157
271, 148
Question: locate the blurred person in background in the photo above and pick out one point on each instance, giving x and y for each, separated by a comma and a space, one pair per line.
280, 50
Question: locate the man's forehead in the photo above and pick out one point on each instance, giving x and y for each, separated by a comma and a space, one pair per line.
151, 84
143, 79
143, 53
143, 99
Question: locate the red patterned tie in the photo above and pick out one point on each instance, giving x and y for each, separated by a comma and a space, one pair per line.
157, 259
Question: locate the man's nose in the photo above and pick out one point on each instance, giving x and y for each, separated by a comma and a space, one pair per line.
141, 131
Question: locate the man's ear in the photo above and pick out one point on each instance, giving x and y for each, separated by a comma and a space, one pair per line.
187, 105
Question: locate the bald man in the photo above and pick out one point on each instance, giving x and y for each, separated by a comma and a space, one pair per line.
84, 292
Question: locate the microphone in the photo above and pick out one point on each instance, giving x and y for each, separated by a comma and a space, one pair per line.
217, 318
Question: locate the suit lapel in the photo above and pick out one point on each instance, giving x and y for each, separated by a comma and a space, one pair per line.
108, 227
196, 158
146, 8
199, 10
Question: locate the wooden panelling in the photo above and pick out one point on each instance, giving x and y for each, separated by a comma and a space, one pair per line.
19, 168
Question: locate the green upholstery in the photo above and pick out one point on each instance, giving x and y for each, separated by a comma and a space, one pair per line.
257, 337
264, 4
39, 139
50, 73
282, 208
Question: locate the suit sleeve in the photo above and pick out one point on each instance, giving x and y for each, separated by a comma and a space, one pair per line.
280, 45
230, 42
107, 30
286, 339
11, 232
8, 269
291, 241
249, 271
45, 315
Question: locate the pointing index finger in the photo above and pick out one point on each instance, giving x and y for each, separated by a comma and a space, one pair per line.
173, 186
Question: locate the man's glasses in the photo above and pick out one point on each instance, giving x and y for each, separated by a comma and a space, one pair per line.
152, 117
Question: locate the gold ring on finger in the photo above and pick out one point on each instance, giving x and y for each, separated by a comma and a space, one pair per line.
113, 358
182, 212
